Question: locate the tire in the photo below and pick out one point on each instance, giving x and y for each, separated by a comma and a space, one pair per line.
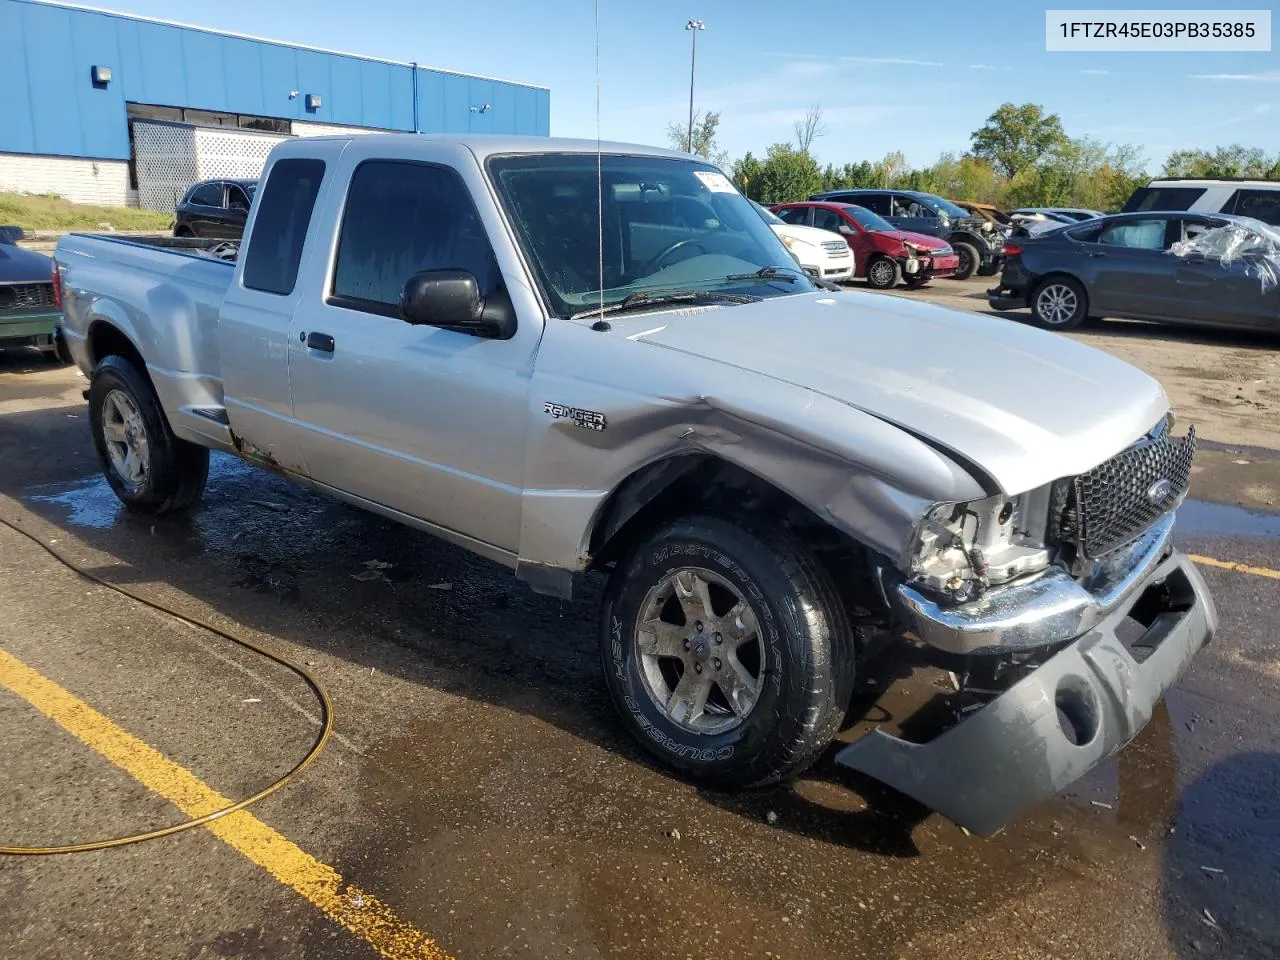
183, 232
883, 273
58, 354
989, 269
915, 283
1059, 303
785, 692
166, 474
969, 260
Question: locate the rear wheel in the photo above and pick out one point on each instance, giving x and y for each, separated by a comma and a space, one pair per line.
58, 353
150, 469
883, 273
183, 231
969, 260
1059, 303
989, 269
727, 651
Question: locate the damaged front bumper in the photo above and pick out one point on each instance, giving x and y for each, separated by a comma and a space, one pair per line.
1082, 705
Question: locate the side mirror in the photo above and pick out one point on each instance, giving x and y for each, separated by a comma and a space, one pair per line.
451, 299
847, 230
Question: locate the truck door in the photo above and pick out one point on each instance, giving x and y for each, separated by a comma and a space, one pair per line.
253, 322
426, 421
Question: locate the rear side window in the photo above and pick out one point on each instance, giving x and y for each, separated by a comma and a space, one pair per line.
827, 220
401, 218
875, 202
284, 213
207, 195
1162, 198
1262, 205
1136, 234
795, 215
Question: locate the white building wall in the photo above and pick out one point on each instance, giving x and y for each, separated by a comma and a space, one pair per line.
303, 129
102, 182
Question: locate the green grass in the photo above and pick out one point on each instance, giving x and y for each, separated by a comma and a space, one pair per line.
47, 212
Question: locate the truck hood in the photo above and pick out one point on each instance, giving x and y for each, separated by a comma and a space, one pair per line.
1024, 406
23, 266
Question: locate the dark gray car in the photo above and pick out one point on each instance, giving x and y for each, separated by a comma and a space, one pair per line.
975, 239
1175, 267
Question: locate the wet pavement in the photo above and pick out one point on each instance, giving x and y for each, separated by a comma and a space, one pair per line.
480, 785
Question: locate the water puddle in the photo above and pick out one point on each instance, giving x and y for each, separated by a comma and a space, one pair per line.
92, 503
1201, 518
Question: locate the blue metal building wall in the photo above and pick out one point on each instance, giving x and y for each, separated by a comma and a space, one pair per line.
48, 104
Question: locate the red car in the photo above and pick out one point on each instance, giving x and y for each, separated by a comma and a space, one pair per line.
882, 254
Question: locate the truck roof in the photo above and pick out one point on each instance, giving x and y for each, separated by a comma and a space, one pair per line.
489, 144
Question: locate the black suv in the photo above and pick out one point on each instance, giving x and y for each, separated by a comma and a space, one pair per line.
977, 241
214, 208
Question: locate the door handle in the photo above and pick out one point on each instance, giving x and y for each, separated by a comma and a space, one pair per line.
1096, 253
320, 341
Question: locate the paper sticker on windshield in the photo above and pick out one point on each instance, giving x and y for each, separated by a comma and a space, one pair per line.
715, 181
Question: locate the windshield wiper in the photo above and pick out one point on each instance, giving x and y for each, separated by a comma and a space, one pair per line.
641, 299
770, 273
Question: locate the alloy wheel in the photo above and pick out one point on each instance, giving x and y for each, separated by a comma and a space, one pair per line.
126, 438
699, 649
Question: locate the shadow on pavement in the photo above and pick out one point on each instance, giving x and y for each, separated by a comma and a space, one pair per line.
1221, 876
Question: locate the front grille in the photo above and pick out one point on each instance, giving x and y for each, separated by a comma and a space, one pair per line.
835, 246
26, 297
1116, 502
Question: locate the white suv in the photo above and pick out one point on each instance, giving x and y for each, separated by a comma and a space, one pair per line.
823, 254
1259, 199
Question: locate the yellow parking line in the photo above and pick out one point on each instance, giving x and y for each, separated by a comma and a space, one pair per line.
1237, 567
360, 912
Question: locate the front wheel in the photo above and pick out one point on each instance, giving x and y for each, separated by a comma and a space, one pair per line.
150, 469
727, 651
1059, 303
969, 260
883, 273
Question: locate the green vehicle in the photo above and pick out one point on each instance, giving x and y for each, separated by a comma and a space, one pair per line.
30, 311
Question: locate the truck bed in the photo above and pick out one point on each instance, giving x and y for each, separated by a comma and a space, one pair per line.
163, 293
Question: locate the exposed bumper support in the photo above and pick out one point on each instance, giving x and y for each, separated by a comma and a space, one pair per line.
1013, 752
1045, 610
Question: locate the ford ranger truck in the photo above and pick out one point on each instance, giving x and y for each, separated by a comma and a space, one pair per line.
571, 362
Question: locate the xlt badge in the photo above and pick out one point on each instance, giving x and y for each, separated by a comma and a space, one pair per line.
589, 419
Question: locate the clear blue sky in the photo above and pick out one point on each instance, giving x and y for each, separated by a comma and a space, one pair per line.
919, 82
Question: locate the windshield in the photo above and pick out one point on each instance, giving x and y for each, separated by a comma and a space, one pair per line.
869, 221
769, 216
950, 208
670, 226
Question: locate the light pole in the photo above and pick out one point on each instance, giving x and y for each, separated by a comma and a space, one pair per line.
693, 26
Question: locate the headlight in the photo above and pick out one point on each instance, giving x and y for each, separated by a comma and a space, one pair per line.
911, 246
791, 243
961, 549
987, 227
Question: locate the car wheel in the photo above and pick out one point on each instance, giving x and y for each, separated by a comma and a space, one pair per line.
915, 283
58, 354
989, 269
183, 232
727, 651
969, 260
1059, 303
883, 273
150, 469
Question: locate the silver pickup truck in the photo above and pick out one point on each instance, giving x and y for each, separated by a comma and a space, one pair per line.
572, 359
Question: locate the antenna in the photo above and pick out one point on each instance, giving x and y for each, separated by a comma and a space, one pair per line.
599, 168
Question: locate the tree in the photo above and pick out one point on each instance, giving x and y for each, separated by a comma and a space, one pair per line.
704, 144
786, 174
1014, 138
891, 165
1233, 161
809, 128
746, 174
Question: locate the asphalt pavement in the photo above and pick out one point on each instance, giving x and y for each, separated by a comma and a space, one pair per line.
479, 799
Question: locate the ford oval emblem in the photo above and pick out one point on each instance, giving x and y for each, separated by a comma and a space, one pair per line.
1159, 490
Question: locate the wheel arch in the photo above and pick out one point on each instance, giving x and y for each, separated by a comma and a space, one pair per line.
105, 339
706, 483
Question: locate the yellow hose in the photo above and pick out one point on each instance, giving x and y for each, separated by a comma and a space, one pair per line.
326, 719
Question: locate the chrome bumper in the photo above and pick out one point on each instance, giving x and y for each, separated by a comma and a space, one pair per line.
1049, 608
1015, 751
